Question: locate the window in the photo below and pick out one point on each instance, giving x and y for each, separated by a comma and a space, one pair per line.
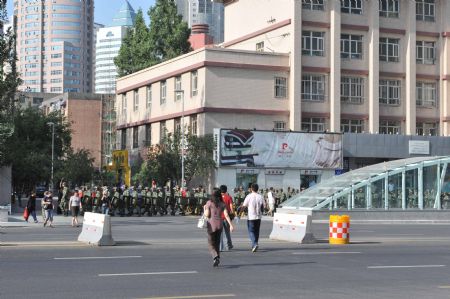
178, 95
352, 90
124, 104
149, 97
148, 135
426, 94
313, 87
352, 125
163, 92
425, 10
279, 126
194, 82
427, 129
389, 127
425, 52
389, 92
351, 6
193, 121
389, 8
135, 137
313, 124
162, 131
280, 87
389, 49
177, 125
135, 100
260, 47
313, 4
351, 46
312, 43
123, 139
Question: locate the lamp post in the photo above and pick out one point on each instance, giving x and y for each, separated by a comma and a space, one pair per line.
52, 124
182, 135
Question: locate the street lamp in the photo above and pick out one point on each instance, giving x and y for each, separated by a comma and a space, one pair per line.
182, 135
52, 124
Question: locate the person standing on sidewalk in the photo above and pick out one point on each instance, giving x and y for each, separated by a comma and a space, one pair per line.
75, 205
48, 208
213, 210
254, 202
31, 206
226, 198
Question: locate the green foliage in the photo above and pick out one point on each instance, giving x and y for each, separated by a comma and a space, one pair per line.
166, 38
9, 81
164, 159
29, 149
77, 168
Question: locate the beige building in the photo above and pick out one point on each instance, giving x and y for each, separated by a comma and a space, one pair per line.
338, 66
55, 45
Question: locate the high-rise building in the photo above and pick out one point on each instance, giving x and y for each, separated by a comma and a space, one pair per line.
54, 44
109, 40
204, 12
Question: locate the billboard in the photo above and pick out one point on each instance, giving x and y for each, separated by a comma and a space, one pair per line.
236, 147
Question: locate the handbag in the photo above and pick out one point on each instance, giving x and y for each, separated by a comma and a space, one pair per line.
26, 214
202, 222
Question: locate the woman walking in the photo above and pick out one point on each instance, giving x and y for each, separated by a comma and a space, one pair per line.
75, 205
47, 203
213, 211
31, 206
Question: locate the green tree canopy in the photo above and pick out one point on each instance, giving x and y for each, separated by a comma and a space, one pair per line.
166, 38
9, 81
77, 168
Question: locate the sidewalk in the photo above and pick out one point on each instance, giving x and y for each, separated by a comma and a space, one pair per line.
16, 220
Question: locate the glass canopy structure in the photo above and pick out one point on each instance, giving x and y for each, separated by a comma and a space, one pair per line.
409, 184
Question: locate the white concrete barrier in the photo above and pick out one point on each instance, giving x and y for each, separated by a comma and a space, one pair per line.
292, 228
96, 230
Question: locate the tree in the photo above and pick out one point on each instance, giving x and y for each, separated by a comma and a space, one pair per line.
164, 159
77, 168
135, 52
9, 81
166, 38
29, 149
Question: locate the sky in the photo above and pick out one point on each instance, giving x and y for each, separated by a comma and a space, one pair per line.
106, 9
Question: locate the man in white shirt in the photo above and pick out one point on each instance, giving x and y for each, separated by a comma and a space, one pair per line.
271, 201
254, 202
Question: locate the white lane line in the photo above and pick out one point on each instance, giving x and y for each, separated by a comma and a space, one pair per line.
326, 252
363, 231
148, 273
195, 296
444, 287
404, 234
413, 266
98, 257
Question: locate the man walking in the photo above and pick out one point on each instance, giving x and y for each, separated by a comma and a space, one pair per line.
226, 198
254, 202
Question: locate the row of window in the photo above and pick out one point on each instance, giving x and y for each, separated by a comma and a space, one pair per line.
425, 9
193, 129
318, 124
352, 90
352, 47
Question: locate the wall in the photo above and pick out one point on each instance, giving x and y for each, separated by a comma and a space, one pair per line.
5, 185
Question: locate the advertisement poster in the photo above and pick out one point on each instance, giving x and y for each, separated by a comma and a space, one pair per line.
280, 149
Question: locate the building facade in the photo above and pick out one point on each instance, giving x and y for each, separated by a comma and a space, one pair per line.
204, 12
376, 67
55, 45
109, 41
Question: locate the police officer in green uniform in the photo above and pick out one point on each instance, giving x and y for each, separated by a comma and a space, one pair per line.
65, 200
189, 208
168, 202
134, 201
97, 200
161, 204
126, 200
177, 196
154, 197
87, 194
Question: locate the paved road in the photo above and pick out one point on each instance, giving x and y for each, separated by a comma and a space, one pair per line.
166, 257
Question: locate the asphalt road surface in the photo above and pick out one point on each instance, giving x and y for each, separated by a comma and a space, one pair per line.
167, 257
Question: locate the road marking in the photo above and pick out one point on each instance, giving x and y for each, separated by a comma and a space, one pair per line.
326, 252
98, 257
148, 273
363, 231
194, 296
444, 287
404, 234
415, 266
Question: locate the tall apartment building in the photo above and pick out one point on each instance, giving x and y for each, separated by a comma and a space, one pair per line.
109, 40
54, 44
204, 12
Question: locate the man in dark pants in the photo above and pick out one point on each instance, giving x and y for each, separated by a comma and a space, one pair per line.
254, 202
226, 198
